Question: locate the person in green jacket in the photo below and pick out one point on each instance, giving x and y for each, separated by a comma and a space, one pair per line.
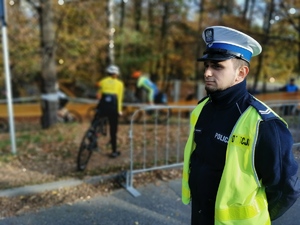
239, 168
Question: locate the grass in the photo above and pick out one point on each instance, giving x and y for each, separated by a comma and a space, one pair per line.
4, 144
48, 155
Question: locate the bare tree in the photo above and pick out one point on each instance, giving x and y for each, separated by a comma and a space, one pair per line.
199, 47
266, 38
137, 14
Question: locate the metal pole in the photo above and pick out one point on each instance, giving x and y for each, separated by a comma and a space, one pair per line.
7, 78
177, 84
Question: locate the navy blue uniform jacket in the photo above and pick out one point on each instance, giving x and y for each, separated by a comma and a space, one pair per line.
274, 160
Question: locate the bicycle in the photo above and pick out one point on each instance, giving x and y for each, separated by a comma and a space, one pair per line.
89, 142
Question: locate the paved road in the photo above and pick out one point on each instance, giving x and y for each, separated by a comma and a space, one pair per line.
158, 205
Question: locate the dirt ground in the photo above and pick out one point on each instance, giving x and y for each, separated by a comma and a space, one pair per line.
50, 155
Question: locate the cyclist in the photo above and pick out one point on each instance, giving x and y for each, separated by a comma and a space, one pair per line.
154, 94
110, 95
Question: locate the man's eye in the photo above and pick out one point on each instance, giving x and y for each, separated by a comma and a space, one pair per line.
216, 66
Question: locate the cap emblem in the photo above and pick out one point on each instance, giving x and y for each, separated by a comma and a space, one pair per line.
209, 35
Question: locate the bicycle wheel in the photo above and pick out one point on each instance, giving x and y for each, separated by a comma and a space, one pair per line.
88, 143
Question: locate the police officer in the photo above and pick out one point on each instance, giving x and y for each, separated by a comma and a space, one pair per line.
239, 168
110, 95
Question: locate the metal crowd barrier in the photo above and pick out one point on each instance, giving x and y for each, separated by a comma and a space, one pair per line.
158, 135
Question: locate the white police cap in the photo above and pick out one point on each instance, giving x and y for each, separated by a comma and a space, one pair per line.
224, 43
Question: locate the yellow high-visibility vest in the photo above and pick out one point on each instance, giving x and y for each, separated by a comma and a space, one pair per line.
189, 148
241, 198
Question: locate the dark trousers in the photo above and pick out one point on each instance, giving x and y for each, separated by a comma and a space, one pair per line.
202, 194
198, 217
113, 120
110, 112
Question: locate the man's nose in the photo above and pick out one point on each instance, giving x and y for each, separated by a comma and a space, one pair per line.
207, 72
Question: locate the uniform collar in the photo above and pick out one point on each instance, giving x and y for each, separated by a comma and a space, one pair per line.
229, 96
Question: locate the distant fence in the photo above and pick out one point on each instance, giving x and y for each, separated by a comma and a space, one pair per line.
158, 135
289, 110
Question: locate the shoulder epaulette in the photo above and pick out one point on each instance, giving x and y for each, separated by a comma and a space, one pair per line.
264, 111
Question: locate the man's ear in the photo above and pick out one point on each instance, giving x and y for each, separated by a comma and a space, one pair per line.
243, 72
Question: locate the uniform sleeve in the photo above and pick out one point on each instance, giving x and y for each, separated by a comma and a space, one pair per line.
276, 166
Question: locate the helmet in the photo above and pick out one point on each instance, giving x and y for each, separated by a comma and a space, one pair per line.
136, 74
112, 69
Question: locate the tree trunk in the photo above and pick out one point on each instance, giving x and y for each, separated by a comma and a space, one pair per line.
199, 44
262, 56
164, 40
137, 14
151, 24
49, 102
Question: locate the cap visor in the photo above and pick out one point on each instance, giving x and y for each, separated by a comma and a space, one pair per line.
215, 57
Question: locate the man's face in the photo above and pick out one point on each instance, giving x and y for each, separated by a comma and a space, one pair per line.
219, 76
